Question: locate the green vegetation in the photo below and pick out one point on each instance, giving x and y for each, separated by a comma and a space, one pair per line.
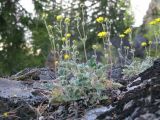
88, 80
77, 81
137, 66
24, 40
85, 81
76, 37
151, 51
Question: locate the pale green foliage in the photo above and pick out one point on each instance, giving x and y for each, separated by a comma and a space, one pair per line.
86, 81
137, 66
76, 80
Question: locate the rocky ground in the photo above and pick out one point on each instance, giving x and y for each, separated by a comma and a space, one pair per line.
138, 99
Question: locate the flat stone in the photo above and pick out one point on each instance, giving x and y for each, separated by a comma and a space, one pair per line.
20, 97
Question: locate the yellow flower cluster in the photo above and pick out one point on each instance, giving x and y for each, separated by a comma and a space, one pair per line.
64, 39
126, 47
157, 19
143, 44
50, 26
121, 35
66, 56
59, 18
150, 42
44, 15
94, 47
67, 20
102, 34
100, 19
68, 35
128, 30
154, 22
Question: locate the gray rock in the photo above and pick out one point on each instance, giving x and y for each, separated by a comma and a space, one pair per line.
92, 114
141, 100
20, 90
35, 74
18, 97
147, 116
153, 11
128, 105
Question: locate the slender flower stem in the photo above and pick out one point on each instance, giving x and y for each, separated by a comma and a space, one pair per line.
49, 33
121, 51
110, 51
156, 45
121, 45
126, 56
84, 46
84, 34
104, 45
54, 44
106, 27
83, 37
79, 33
68, 43
95, 55
83, 23
52, 40
84, 43
149, 50
60, 27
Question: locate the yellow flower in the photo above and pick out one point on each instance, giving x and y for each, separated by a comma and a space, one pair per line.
102, 34
59, 18
143, 44
5, 114
50, 26
68, 35
157, 20
127, 31
126, 47
94, 47
152, 22
150, 42
66, 56
121, 35
100, 19
44, 15
64, 39
67, 20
